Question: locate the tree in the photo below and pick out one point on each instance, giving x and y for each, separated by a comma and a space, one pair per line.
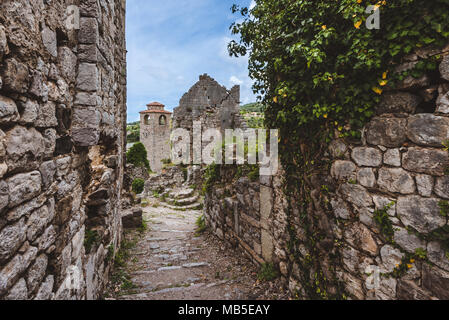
137, 155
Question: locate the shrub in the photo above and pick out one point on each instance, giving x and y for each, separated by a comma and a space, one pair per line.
138, 186
137, 155
319, 70
267, 272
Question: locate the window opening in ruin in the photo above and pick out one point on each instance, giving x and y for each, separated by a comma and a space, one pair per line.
162, 120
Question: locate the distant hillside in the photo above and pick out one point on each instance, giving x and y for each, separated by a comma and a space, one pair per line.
253, 113
133, 132
253, 107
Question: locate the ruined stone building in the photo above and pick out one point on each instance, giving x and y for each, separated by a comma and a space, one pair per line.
62, 137
155, 126
211, 105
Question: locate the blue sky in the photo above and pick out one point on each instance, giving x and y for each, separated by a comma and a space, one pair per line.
171, 42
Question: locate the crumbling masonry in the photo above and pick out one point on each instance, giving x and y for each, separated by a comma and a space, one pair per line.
62, 124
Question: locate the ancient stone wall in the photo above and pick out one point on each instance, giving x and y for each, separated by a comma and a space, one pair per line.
62, 136
375, 224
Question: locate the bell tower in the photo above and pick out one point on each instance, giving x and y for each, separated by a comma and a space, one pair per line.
155, 129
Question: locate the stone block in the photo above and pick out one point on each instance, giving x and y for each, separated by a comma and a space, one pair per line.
366, 177
428, 161
423, 214
442, 187
436, 281
36, 272
392, 157
398, 102
367, 157
343, 170
396, 180
428, 130
444, 68
67, 61
356, 194
387, 132
88, 33
11, 239
50, 41
132, 219
407, 240
15, 76
8, 111
88, 77
23, 187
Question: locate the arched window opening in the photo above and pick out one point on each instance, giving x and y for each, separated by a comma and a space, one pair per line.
162, 120
145, 119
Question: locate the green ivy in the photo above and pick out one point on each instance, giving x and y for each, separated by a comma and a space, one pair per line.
138, 185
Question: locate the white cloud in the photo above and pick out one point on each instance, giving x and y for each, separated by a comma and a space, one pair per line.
235, 81
252, 5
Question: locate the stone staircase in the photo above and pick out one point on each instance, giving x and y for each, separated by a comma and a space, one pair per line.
181, 199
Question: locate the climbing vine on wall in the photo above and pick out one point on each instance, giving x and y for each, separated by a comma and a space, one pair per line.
320, 72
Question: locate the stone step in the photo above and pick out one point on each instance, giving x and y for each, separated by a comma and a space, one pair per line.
194, 206
181, 194
182, 202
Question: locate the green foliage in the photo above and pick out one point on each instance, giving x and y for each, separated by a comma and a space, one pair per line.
201, 225
444, 208
91, 239
267, 272
421, 253
211, 175
143, 227
318, 68
110, 254
320, 72
138, 185
383, 220
253, 107
133, 132
137, 155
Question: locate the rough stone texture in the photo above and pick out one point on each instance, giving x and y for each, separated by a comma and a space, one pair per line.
423, 214
343, 170
367, 157
442, 187
8, 110
132, 219
408, 241
398, 102
387, 132
444, 68
428, 161
428, 130
396, 180
392, 157
366, 177
54, 150
154, 134
424, 184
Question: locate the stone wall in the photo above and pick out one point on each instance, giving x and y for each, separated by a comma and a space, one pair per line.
62, 136
374, 225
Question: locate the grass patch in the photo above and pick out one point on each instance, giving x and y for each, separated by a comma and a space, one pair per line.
267, 272
201, 225
384, 222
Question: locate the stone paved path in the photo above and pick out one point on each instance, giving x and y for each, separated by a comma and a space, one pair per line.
170, 262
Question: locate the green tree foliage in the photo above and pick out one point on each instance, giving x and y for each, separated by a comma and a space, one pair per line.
138, 185
133, 132
137, 155
316, 66
253, 114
